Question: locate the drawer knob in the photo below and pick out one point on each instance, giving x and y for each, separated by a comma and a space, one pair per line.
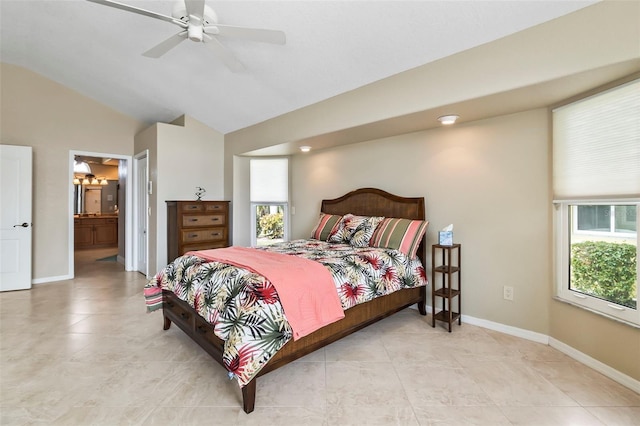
193, 235
193, 220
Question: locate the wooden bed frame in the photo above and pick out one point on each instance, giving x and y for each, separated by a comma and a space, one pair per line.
364, 202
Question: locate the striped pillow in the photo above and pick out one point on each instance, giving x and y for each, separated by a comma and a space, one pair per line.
326, 226
152, 296
404, 235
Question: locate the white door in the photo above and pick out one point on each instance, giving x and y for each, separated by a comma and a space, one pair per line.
15, 217
141, 213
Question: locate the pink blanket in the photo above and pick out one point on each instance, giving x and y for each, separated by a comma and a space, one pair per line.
306, 289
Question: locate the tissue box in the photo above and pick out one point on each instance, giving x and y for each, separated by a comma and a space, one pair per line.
445, 238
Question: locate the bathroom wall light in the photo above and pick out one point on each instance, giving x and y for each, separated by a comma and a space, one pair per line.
305, 148
448, 119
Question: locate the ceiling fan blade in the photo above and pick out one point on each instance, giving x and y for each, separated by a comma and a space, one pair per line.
139, 11
245, 33
165, 46
195, 7
222, 53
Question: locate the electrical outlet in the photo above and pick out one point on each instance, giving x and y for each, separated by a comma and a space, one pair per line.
507, 292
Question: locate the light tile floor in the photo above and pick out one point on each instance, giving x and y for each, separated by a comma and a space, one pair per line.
85, 352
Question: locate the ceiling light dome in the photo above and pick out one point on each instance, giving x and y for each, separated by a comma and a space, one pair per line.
448, 119
81, 167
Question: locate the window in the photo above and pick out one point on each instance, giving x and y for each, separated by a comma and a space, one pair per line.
596, 183
269, 188
605, 220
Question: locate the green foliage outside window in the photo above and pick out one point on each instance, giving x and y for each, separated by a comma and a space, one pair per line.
271, 226
605, 270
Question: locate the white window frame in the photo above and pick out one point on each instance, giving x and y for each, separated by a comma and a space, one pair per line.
285, 203
562, 225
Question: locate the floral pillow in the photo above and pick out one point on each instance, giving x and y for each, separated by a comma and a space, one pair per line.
327, 224
355, 230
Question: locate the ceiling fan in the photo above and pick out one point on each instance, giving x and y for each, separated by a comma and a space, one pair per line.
199, 23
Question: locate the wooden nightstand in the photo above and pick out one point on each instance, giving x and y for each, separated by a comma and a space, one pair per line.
444, 272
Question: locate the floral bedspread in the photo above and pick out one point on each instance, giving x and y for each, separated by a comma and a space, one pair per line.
245, 309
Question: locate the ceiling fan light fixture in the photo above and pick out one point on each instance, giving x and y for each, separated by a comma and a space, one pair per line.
195, 30
448, 120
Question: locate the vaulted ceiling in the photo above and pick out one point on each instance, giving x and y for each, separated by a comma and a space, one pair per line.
332, 47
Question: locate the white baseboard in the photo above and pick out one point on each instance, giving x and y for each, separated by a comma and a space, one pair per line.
583, 358
51, 279
600, 367
507, 329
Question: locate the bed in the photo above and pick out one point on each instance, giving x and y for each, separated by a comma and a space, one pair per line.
368, 202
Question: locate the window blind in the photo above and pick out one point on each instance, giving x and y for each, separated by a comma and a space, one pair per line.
596, 145
269, 180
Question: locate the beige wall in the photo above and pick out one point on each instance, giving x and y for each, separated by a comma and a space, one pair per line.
489, 178
608, 341
182, 156
54, 120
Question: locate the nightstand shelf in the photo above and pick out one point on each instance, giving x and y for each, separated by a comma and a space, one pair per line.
445, 284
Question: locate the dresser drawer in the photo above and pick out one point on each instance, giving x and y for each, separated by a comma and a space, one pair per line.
199, 235
216, 207
203, 220
203, 246
192, 207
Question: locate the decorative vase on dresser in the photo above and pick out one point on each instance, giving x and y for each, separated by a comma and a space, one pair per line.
196, 225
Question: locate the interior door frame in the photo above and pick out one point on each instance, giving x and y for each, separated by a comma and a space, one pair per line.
138, 196
128, 214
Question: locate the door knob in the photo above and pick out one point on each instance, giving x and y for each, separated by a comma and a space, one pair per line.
24, 225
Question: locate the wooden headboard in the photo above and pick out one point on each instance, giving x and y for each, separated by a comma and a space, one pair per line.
376, 202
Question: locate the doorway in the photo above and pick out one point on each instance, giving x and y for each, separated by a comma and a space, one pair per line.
98, 207
142, 190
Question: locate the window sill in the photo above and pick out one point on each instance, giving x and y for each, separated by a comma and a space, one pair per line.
602, 314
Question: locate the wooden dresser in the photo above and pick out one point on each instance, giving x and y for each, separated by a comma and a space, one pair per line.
196, 225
